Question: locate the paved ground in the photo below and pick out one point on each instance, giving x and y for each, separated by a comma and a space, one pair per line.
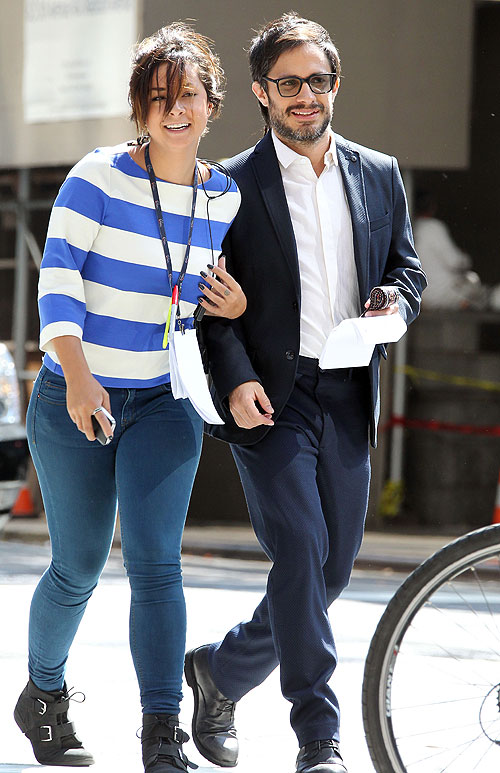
402, 552
219, 592
222, 586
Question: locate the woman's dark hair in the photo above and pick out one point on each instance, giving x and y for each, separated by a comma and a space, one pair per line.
175, 45
289, 31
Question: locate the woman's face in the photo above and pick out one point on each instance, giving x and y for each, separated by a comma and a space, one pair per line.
183, 126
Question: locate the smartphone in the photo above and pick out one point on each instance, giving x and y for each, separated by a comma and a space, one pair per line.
98, 430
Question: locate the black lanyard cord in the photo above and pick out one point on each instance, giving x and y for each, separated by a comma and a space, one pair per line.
217, 195
161, 224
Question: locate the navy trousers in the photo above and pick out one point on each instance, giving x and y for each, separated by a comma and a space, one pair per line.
306, 485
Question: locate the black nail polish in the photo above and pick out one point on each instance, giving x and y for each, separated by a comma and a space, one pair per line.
201, 286
209, 265
201, 298
204, 274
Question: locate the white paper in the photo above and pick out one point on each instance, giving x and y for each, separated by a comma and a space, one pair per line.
187, 376
351, 344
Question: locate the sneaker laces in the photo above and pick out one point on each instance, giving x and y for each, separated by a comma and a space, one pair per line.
61, 717
328, 743
314, 747
71, 696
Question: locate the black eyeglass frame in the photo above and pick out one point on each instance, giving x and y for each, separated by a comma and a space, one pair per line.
332, 76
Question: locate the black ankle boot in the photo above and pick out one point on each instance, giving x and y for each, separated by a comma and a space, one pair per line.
43, 718
162, 740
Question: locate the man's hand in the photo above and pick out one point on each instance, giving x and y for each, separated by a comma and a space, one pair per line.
243, 402
392, 309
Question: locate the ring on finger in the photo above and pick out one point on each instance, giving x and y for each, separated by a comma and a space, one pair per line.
96, 410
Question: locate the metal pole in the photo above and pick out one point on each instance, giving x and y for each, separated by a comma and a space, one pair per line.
398, 410
21, 279
391, 502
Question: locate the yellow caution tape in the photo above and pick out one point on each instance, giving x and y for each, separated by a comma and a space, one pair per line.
464, 381
391, 499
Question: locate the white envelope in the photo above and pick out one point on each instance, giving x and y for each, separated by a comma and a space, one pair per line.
351, 344
187, 376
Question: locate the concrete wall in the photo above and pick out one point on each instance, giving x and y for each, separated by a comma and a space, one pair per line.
451, 477
406, 85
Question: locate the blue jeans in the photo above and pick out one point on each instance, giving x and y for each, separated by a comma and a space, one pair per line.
149, 467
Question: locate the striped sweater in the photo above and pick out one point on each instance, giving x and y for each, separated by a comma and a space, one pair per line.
103, 276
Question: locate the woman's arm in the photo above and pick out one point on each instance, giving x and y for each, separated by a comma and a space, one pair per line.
84, 393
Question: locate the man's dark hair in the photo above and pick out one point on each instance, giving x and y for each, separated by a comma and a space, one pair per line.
289, 31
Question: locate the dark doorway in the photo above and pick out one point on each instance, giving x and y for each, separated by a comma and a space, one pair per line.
469, 200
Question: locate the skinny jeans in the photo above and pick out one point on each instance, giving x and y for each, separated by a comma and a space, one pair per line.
148, 469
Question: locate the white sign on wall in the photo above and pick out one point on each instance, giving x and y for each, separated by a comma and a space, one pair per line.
77, 58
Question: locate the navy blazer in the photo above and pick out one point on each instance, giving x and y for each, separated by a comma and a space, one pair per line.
263, 344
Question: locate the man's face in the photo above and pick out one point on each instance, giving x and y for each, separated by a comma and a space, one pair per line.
305, 117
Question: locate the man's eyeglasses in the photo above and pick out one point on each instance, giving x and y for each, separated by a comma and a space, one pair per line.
319, 83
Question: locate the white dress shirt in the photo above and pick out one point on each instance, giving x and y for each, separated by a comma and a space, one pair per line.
322, 225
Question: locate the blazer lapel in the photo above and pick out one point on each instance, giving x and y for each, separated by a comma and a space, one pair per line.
268, 174
352, 175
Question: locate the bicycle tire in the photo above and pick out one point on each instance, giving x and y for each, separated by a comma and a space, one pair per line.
467, 554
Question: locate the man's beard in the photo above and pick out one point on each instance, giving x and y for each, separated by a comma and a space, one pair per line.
303, 134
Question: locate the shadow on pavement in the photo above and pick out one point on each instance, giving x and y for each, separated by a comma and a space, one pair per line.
7, 767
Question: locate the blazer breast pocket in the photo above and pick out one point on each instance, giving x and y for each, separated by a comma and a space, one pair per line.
379, 222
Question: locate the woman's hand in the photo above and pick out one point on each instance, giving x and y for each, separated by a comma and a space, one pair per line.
83, 392
83, 396
224, 297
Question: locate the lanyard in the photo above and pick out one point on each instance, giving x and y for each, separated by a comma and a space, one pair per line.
177, 289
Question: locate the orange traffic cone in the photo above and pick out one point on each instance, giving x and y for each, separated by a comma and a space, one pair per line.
24, 504
496, 511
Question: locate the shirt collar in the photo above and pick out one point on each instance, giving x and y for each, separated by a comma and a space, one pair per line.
287, 156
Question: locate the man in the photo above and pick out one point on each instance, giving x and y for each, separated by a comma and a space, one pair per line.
322, 221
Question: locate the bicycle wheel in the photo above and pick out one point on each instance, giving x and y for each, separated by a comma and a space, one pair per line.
431, 687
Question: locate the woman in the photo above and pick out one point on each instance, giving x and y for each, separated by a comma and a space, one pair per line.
106, 287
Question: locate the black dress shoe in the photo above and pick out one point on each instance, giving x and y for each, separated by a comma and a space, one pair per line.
320, 757
214, 733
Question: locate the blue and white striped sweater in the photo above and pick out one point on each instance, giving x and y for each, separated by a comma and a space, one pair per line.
103, 276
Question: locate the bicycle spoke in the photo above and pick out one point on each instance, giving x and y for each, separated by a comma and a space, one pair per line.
474, 611
476, 767
469, 743
439, 753
439, 730
481, 589
461, 627
414, 706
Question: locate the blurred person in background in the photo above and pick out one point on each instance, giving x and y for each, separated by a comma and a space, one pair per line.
452, 284
107, 283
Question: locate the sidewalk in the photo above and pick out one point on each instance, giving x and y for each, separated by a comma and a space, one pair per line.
400, 552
